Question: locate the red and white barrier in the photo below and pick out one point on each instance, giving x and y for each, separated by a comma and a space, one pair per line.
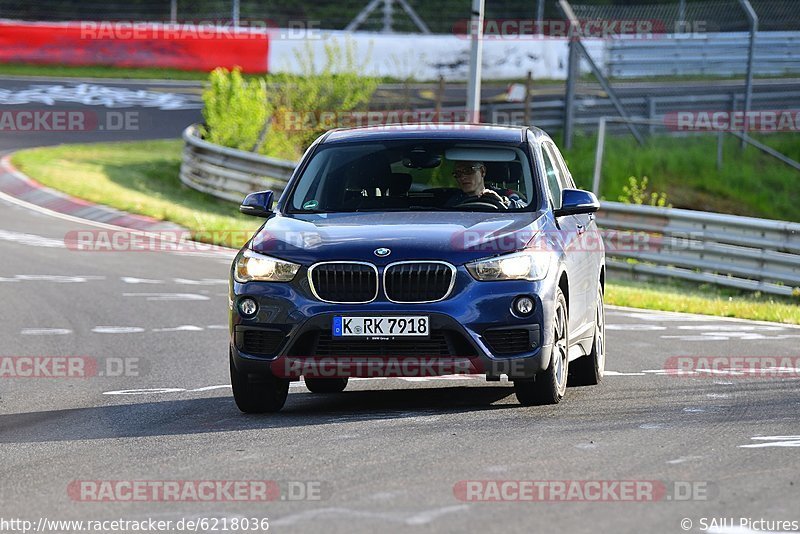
134, 44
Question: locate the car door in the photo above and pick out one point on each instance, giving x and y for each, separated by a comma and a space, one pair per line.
581, 284
568, 236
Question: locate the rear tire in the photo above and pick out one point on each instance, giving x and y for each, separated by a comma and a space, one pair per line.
589, 370
549, 386
325, 385
258, 393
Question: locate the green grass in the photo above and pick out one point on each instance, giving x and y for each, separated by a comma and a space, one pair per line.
704, 299
138, 177
66, 71
749, 183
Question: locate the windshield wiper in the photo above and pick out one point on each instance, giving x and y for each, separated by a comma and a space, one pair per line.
410, 208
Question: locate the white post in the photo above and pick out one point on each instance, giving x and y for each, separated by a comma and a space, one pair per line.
235, 13
598, 156
476, 57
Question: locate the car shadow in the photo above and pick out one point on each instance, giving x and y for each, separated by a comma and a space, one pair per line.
219, 414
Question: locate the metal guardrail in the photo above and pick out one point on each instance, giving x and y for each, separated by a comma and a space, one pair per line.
719, 54
228, 173
741, 252
727, 250
548, 114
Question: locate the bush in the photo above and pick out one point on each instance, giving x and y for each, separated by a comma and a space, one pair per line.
309, 103
636, 193
235, 109
280, 115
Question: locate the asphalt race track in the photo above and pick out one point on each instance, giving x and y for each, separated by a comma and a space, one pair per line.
385, 455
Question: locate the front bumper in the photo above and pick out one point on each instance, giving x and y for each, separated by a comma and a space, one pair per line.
468, 322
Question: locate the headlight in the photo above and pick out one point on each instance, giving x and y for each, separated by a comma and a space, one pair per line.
531, 265
254, 266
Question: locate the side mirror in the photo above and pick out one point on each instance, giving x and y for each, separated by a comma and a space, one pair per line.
576, 202
258, 204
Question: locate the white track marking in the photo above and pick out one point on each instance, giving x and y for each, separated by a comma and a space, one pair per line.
168, 296
5, 163
117, 329
91, 94
684, 459
634, 327
617, 373
182, 328
58, 278
730, 327
45, 331
211, 388
153, 391
640, 313
420, 518
727, 336
202, 282
132, 280
773, 441
31, 239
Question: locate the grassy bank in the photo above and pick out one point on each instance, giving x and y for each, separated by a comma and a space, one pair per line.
142, 177
749, 183
707, 300
65, 71
139, 177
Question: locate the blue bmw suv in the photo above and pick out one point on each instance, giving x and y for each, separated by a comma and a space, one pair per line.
420, 250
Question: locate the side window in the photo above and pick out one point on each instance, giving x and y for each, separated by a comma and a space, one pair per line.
566, 177
553, 181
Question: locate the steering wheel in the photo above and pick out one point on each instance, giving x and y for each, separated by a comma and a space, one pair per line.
483, 201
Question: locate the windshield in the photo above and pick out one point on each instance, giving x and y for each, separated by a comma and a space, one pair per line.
415, 175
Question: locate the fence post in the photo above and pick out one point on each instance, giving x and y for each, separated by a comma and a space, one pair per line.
439, 97
235, 13
173, 11
720, 140
527, 112
651, 114
569, 96
598, 155
475, 59
540, 16
748, 94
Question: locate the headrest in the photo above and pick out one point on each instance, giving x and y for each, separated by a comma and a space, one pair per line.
399, 184
496, 172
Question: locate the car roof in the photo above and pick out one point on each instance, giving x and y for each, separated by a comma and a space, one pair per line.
465, 132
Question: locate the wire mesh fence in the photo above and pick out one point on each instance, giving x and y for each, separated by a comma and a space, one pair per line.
440, 16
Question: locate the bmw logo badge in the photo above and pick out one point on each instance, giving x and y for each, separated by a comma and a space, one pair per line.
382, 252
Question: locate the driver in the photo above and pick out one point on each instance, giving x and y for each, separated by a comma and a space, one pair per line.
470, 178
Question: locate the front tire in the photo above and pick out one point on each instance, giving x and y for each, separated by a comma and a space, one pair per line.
258, 393
589, 370
325, 385
549, 386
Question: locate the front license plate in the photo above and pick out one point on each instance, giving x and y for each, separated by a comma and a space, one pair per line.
405, 326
